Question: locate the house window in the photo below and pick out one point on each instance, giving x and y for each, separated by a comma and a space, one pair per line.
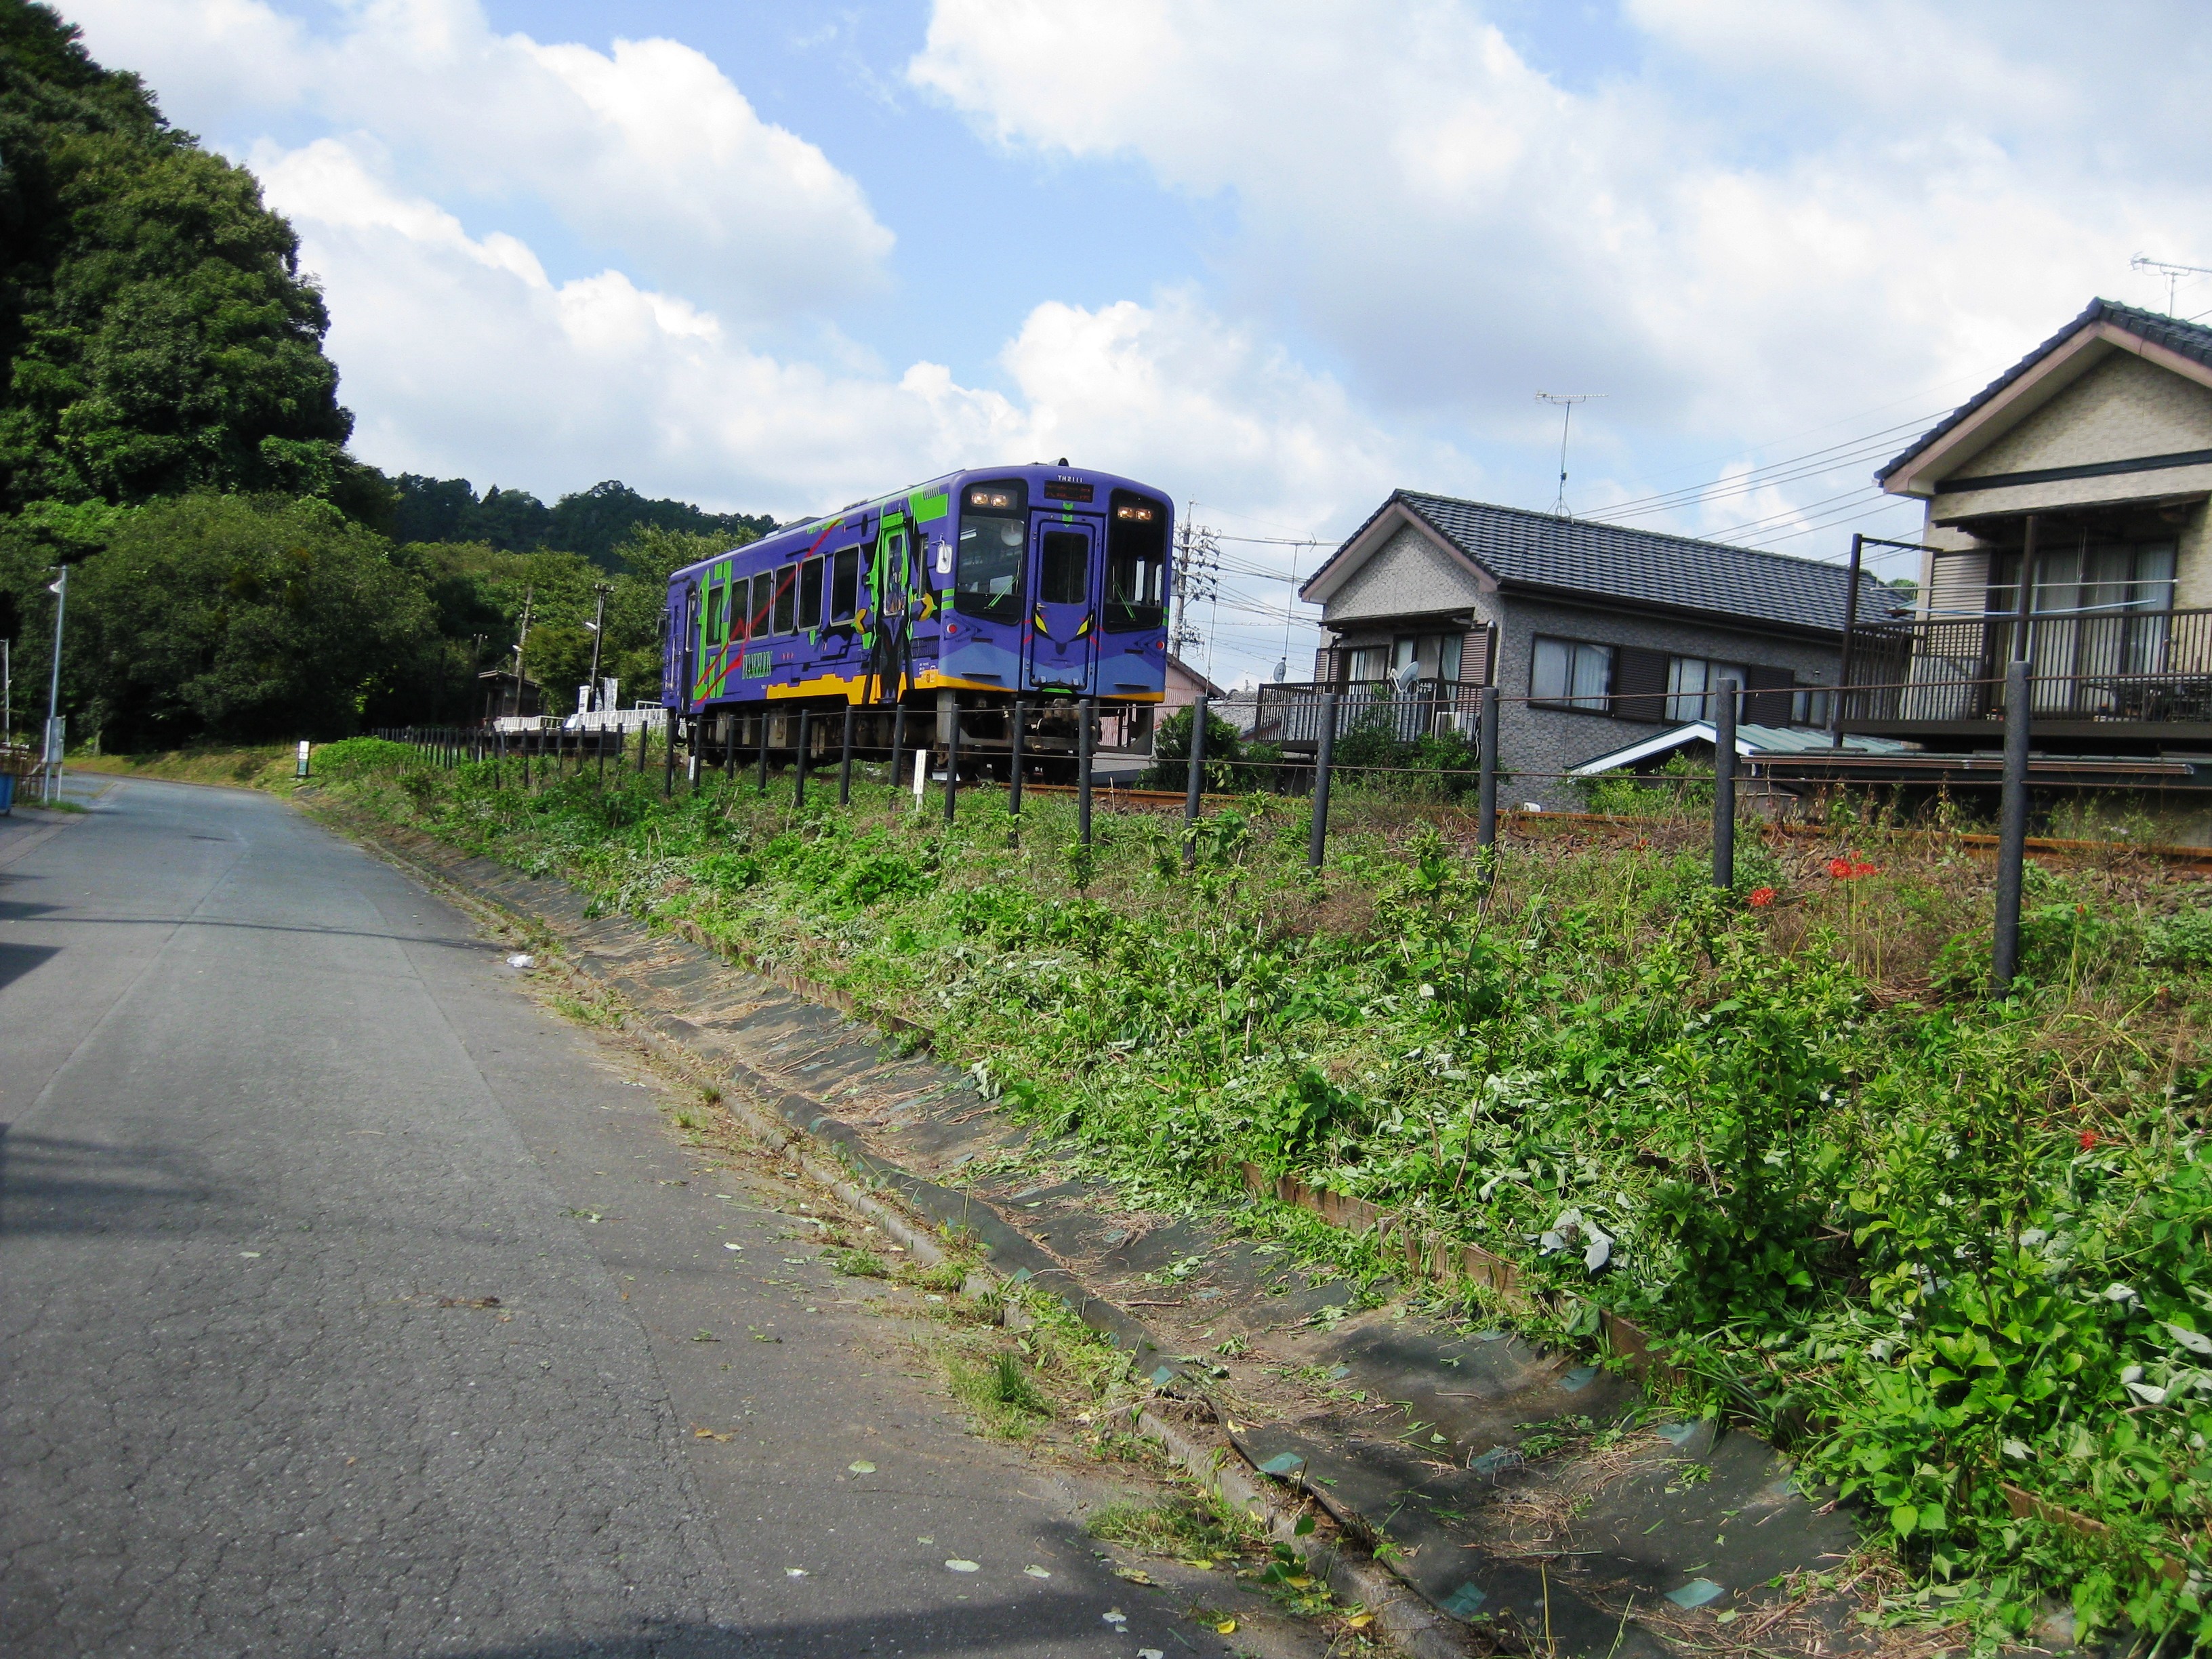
1690, 682
1571, 672
1436, 655
1366, 662
1808, 706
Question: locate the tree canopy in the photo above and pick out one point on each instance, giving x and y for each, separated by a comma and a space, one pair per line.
170, 428
155, 335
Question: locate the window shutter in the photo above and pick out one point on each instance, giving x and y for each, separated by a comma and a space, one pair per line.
1639, 684
1767, 699
1325, 666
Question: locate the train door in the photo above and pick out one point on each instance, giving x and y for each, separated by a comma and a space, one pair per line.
1062, 636
686, 652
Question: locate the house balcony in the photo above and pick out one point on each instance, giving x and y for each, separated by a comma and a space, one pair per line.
2116, 678
1290, 714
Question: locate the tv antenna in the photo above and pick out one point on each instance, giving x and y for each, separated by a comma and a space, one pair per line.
1566, 401
2174, 273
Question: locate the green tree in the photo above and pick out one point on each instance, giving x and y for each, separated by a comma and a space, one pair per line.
241, 619
155, 335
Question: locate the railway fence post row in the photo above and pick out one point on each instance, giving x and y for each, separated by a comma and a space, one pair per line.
1196, 782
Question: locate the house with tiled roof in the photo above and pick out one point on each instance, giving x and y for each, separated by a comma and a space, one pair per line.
1595, 633
2065, 507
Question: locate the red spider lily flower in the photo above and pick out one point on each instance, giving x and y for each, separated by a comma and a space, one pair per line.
1761, 897
1850, 869
2089, 1139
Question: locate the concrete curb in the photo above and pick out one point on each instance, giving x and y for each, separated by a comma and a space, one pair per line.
792, 1125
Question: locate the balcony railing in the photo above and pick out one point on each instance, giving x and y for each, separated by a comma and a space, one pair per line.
2150, 667
1290, 713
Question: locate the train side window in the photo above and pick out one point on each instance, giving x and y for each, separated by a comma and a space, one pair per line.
1064, 571
787, 598
987, 572
763, 604
718, 614
844, 583
810, 595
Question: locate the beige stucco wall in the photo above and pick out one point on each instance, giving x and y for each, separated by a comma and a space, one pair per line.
2122, 408
1408, 574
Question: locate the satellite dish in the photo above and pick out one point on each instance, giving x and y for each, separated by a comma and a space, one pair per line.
1405, 679
1282, 669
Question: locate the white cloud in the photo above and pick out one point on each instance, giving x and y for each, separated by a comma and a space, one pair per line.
462, 355
1784, 211
648, 152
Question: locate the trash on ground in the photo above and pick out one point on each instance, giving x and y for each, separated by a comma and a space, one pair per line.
796, 1572
861, 1468
522, 959
1227, 1627
1114, 1616
1282, 1463
1695, 1594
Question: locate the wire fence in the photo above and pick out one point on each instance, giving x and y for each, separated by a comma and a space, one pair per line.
820, 749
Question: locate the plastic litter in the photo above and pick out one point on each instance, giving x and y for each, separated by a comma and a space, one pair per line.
796, 1572
1114, 1616
522, 959
1696, 1592
1675, 1434
1282, 1463
1465, 1602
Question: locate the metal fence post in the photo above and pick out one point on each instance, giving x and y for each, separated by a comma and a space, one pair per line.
1196, 782
898, 742
952, 766
1725, 788
1485, 785
1083, 772
845, 762
1317, 840
799, 772
1014, 761
668, 761
2012, 827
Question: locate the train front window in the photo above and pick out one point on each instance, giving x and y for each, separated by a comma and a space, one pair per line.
787, 598
1064, 571
810, 594
987, 571
1136, 562
844, 583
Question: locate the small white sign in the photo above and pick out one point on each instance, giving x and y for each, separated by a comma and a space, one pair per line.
945, 558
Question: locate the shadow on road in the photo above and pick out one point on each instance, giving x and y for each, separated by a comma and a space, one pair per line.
971, 1628
53, 1186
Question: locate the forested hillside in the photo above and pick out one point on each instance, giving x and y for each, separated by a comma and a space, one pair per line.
171, 429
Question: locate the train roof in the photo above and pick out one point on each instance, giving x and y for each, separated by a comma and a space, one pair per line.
805, 530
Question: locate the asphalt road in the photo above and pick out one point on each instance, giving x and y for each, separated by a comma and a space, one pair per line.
276, 1128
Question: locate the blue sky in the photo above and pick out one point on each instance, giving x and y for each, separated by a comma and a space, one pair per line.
1276, 257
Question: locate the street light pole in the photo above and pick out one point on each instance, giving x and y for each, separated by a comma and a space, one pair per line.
599, 626
53, 760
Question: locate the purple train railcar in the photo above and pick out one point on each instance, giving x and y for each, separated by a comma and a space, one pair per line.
957, 598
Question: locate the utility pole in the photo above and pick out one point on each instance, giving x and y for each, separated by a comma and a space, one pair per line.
523, 639
1566, 400
598, 622
52, 749
1196, 554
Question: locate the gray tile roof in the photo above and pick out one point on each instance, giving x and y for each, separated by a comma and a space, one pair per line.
1586, 557
2191, 340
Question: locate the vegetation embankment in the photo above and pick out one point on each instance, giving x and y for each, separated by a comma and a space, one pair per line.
265, 766
1964, 1240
